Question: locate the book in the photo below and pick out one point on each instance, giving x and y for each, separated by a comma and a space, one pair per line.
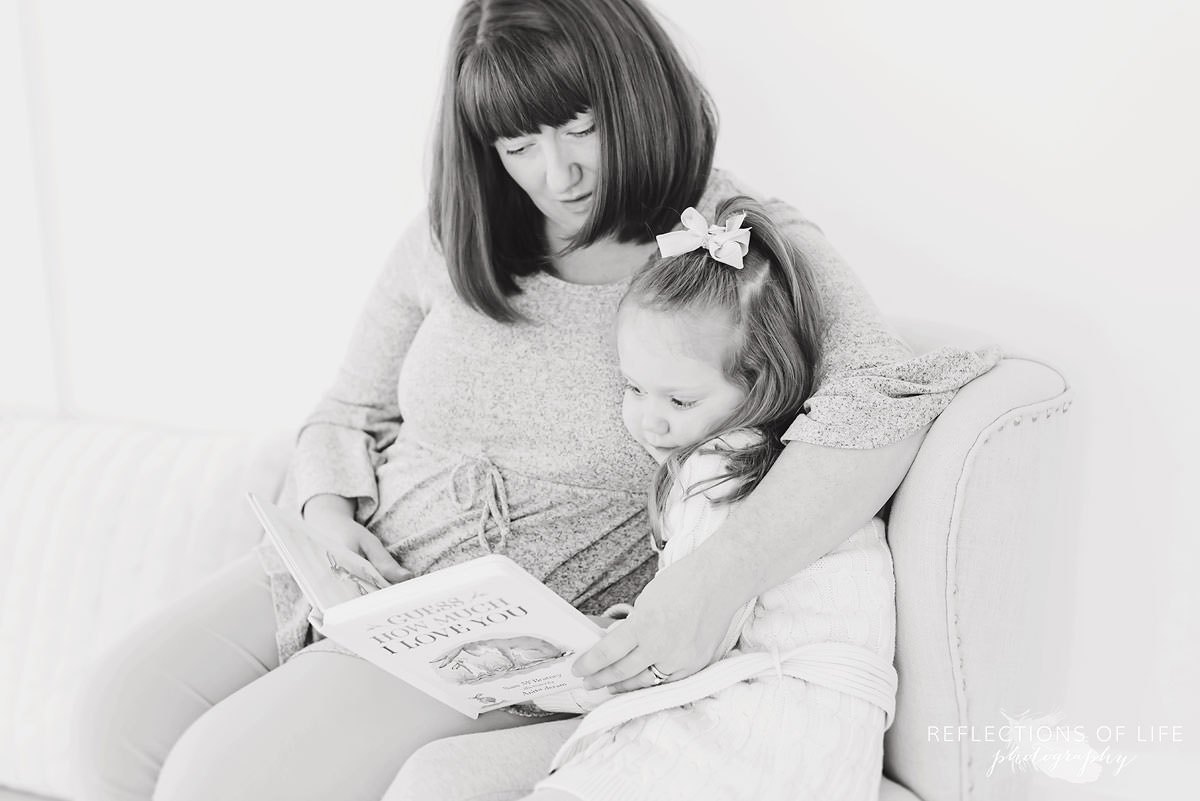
478, 636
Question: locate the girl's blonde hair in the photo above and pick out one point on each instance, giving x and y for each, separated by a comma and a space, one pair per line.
774, 353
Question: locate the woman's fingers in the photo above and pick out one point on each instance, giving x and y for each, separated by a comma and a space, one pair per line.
613, 646
623, 670
630, 673
618, 663
333, 521
677, 624
383, 561
643, 679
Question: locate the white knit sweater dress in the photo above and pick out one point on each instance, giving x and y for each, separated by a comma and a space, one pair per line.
807, 724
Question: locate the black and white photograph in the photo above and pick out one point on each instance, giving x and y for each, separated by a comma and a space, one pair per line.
645, 400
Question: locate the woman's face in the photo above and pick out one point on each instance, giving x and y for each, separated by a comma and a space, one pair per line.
557, 168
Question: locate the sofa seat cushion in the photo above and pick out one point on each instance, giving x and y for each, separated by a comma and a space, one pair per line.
101, 524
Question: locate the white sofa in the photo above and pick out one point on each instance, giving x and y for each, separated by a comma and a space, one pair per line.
102, 524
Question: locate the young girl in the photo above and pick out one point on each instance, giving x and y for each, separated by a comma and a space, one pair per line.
718, 342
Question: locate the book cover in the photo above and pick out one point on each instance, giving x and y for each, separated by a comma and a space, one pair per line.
480, 635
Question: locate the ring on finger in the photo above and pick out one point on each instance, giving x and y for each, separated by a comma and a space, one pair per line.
659, 676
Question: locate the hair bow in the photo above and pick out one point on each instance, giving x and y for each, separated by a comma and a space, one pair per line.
727, 244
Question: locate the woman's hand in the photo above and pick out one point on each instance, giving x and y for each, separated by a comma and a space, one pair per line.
333, 517
677, 625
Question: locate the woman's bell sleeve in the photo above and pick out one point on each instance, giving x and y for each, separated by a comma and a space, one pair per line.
342, 442
872, 390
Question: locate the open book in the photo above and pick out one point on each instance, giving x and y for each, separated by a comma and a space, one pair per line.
478, 636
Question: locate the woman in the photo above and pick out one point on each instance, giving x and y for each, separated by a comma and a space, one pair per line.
478, 409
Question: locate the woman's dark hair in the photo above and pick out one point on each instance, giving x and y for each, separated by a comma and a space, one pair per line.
777, 322
515, 65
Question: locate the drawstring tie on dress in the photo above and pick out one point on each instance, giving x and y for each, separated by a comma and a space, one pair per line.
483, 479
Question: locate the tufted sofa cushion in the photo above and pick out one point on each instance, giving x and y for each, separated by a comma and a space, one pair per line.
101, 524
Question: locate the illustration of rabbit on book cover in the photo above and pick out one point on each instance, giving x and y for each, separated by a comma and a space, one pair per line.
484, 660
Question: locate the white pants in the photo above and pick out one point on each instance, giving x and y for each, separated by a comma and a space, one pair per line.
195, 706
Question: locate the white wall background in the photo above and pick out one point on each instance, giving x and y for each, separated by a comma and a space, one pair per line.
196, 197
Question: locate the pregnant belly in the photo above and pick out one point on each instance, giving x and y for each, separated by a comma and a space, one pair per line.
438, 509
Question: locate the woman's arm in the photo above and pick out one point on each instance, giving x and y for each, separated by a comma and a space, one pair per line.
813, 498
332, 474
342, 442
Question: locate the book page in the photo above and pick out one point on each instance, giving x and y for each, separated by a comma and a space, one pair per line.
328, 573
478, 635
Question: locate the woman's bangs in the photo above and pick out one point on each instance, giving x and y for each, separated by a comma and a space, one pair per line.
509, 89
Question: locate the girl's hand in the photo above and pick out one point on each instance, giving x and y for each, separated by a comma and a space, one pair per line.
677, 625
333, 517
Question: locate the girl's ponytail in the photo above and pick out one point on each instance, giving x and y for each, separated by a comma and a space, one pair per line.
787, 265
775, 355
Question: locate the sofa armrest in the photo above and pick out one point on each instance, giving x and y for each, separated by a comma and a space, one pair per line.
980, 531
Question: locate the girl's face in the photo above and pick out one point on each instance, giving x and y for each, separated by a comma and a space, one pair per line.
676, 393
557, 168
